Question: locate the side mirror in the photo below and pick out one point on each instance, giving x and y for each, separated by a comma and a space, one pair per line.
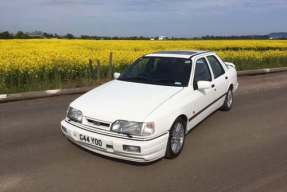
116, 75
203, 85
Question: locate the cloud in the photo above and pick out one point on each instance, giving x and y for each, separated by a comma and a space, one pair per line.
144, 17
71, 2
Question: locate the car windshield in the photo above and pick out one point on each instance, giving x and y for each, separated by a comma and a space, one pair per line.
168, 71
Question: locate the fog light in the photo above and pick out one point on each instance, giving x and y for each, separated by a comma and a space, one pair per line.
131, 148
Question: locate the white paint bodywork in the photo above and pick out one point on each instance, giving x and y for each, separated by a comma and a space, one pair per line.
121, 100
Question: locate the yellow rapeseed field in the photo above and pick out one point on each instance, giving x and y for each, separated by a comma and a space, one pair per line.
41, 64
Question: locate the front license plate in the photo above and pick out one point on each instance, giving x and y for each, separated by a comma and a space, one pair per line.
90, 140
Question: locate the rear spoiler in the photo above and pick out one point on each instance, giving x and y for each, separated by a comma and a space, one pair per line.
228, 64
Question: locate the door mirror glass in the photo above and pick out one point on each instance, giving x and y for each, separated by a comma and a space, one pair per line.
116, 75
203, 85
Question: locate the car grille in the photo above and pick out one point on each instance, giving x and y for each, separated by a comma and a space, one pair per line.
98, 123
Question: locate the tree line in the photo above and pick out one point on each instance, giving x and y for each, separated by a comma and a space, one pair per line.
44, 35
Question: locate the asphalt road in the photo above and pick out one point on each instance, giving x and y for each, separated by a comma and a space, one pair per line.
241, 150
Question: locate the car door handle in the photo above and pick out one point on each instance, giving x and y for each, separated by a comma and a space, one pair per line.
212, 86
226, 77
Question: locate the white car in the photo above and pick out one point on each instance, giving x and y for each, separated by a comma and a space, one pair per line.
145, 113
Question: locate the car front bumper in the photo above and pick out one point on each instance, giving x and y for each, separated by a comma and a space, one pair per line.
150, 150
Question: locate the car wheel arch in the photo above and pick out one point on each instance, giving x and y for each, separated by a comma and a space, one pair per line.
182, 117
231, 87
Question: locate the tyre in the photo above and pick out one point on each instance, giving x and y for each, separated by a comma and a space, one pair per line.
176, 139
227, 105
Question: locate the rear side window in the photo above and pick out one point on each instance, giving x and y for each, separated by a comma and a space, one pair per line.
216, 66
202, 72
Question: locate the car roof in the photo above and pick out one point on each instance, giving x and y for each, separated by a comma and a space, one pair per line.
180, 54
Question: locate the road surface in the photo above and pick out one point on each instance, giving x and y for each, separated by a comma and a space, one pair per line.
241, 150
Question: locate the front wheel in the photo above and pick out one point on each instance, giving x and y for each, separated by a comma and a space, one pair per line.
227, 105
176, 139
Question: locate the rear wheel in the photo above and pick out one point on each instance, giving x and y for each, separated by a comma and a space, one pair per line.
176, 139
227, 105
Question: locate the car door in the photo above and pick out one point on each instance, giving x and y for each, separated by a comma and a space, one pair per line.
201, 99
220, 79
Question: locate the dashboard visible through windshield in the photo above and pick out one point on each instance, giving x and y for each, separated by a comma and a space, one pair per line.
168, 71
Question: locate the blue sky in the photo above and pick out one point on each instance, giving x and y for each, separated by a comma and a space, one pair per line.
186, 18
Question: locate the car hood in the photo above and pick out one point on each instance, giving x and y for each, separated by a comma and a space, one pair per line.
123, 100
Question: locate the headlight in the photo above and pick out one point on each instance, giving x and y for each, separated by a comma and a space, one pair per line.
75, 115
133, 128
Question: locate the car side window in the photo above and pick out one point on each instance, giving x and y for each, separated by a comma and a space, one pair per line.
215, 66
202, 72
